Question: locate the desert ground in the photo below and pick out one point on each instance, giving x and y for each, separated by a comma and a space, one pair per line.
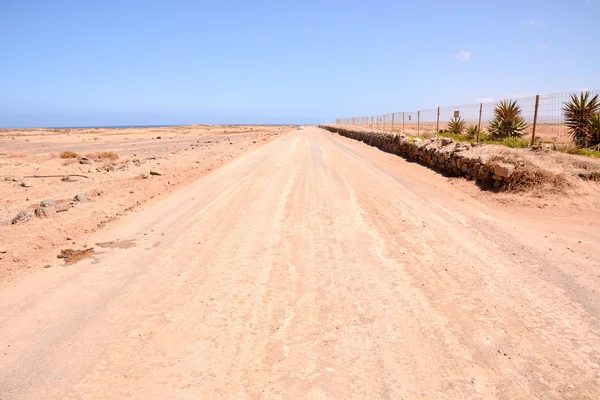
282, 264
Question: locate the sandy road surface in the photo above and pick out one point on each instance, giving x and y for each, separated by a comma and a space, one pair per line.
314, 267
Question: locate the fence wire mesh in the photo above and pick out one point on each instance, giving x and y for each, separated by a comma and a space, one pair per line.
548, 118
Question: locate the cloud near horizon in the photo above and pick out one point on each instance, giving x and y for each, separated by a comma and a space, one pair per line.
463, 55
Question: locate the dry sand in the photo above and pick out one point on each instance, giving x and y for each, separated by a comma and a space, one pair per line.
313, 266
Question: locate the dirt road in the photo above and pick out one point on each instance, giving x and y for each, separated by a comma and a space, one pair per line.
314, 267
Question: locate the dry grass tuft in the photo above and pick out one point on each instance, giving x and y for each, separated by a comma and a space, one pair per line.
528, 178
103, 155
69, 154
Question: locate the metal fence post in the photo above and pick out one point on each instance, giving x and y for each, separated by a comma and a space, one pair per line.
393, 121
377, 126
402, 122
418, 122
437, 124
479, 124
535, 114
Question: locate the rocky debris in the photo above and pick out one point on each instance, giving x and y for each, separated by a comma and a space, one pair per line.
62, 208
82, 197
21, 217
503, 170
152, 157
159, 137
66, 178
72, 256
47, 203
145, 175
2, 250
10, 179
44, 212
47, 266
436, 153
85, 160
156, 172
26, 184
105, 168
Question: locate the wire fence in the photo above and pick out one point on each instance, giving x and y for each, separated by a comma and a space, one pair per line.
543, 113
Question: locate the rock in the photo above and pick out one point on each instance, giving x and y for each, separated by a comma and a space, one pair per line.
84, 160
497, 184
447, 141
26, 184
473, 144
43, 212
62, 208
2, 250
153, 157
21, 217
47, 266
156, 172
496, 177
503, 170
145, 176
82, 197
46, 203
417, 140
159, 137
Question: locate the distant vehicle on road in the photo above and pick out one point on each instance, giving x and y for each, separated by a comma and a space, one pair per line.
299, 127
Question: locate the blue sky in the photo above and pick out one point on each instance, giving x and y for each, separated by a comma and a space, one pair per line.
130, 62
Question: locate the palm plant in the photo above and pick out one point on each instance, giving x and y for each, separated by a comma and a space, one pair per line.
456, 125
471, 132
508, 120
579, 113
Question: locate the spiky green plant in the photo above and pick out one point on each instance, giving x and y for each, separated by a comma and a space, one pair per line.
508, 120
579, 112
595, 130
471, 132
456, 125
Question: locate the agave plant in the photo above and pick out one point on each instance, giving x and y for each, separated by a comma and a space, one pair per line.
456, 125
471, 132
579, 113
508, 121
595, 130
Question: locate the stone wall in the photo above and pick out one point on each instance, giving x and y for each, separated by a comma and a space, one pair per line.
442, 154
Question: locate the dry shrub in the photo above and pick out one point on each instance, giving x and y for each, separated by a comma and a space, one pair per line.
590, 176
528, 178
103, 155
69, 154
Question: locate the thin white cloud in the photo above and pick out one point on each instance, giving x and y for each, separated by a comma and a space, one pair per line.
534, 23
463, 56
543, 46
485, 100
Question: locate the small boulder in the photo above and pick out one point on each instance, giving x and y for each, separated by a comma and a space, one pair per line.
47, 203
156, 173
504, 170
447, 141
85, 160
21, 217
26, 184
82, 197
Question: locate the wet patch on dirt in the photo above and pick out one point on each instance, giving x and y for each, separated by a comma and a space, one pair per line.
72, 256
117, 244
